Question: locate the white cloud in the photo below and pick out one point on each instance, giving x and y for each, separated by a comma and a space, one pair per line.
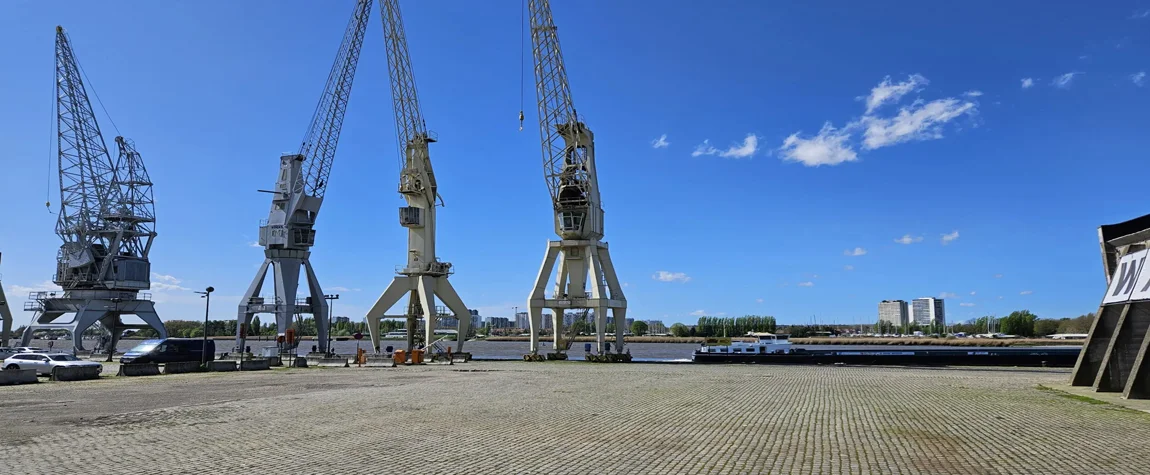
1138, 78
997, 276
1140, 15
626, 284
886, 92
699, 313
966, 304
999, 297
908, 239
704, 148
973, 292
22, 291
759, 300
848, 267
1027, 83
341, 289
666, 276
1026, 292
975, 93
660, 142
254, 244
747, 148
1063, 81
858, 251
162, 282
949, 237
806, 284
920, 121
947, 295
829, 147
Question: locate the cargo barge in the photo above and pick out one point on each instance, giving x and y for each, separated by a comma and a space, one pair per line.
777, 349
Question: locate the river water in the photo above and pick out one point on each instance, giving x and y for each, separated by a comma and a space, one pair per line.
509, 350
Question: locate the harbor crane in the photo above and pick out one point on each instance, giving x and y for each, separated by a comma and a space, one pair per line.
5, 314
288, 233
569, 169
107, 222
424, 277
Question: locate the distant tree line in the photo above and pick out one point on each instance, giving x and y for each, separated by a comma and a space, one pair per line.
725, 326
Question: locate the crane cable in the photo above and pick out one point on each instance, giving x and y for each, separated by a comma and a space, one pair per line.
522, 46
51, 134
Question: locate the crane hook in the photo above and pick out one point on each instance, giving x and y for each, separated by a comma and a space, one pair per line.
520, 121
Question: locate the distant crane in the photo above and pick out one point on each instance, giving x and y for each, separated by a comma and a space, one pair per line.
288, 233
569, 169
425, 276
5, 314
107, 222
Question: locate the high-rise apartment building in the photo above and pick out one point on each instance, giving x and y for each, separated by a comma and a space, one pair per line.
927, 311
894, 311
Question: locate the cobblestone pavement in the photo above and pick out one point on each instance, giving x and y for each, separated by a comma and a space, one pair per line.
558, 418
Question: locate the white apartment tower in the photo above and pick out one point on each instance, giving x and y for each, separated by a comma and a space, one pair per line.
927, 311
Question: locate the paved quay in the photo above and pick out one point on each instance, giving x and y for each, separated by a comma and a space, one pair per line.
553, 418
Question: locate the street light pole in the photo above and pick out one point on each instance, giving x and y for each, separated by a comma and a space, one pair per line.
206, 294
330, 306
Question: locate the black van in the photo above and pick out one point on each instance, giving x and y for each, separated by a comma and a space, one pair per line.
170, 350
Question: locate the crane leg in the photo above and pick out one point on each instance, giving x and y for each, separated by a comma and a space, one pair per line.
427, 301
286, 274
319, 310
450, 298
536, 299
244, 316
390, 296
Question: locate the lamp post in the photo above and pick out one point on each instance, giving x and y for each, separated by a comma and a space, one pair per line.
206, 294
330, 305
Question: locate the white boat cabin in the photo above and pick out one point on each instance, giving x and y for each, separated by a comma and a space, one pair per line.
766, 343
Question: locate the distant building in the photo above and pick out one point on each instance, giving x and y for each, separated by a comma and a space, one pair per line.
656, 327
476, 319
894, 311
523, 320
338, 320
927, 311
499, 322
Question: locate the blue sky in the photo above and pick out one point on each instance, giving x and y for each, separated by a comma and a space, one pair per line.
968, 152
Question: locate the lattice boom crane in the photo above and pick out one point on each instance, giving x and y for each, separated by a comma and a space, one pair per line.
288, 233
106, 220
424, 277
569, 169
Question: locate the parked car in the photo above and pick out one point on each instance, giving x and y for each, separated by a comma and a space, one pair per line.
44, 362
170, 350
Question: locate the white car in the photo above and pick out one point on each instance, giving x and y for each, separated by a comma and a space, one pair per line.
44, 362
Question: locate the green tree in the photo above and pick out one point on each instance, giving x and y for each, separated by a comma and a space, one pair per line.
639, 328
255, 327
1046, 326
1080, 324
1019, 322
680, 330
884, 327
